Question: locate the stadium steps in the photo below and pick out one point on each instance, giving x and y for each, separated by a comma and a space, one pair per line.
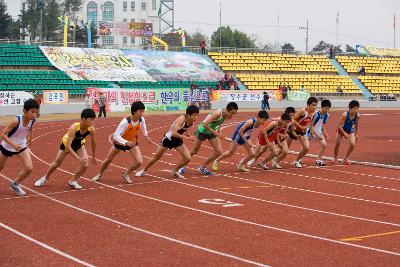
339, 67
363, 89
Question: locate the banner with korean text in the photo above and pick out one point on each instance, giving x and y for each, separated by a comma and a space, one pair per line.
95, 64
55, 97
242, 95
297, 95
10, 98
120, 100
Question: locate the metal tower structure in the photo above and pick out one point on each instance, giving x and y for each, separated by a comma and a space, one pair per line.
166, 16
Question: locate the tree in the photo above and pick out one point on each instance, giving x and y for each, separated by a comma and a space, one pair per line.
5, 20
226, 39
51, 24
350, 49
30, 19
81, 34
70, 7
231, 38
195, 38
272, 47
13, 29
322, 46
242, 40
287, 48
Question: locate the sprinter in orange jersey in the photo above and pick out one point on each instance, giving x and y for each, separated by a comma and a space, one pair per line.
125, 139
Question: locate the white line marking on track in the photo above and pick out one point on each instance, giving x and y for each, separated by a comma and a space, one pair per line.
200, 211
140, 229
262, 200
37, 242
235, 219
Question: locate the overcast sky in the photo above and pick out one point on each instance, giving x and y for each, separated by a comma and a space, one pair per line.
367, 22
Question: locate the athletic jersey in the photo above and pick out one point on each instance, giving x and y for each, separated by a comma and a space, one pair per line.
271, 133
318, 122
303, 120
248, 131
182, 130
18, 134
348, 126
127, 130
285, 130
213, 125
79, 138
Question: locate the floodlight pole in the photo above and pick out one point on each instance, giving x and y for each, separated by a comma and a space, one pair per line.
220, 25
306, 28
278, 30
41, 24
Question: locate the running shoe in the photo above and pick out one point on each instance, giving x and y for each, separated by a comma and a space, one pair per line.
126, 177
140, 173
215, 166
250, 163
262, 165
41, 182
275, 164
74, 185
205, 171
177, 174
17, 189
346, 162
242, 168
320, 163
182, 170
97, 178
297, 163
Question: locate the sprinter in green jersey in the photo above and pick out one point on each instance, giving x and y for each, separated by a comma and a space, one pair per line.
210, 130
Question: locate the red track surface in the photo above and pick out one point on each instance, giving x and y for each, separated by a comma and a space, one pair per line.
286, 217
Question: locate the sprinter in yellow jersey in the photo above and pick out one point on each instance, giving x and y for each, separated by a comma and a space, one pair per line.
73, 143
125, 139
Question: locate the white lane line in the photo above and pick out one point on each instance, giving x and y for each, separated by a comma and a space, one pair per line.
184, 243
37, 242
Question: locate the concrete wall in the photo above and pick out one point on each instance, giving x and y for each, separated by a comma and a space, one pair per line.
44, 109
78, 107
300, 104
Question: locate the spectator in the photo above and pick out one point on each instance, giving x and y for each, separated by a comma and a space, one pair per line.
88, 103
203, 46
284, 92
102, 104
38, 99
331, 53
339, 89
302, 88
265, 101
289, 88
361, 71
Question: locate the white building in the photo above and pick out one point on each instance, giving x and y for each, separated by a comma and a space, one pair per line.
117, 11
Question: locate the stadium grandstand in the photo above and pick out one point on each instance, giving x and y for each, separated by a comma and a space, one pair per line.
316, 74
26, 68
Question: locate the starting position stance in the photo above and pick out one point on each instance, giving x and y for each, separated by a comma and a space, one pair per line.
125, 139
17, 137
348, 128
173, 139
242, 137
73, 143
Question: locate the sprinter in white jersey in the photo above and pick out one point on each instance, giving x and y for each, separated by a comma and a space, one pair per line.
17, 137
317, 132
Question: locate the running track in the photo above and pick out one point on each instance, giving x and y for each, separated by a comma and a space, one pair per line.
338, 215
